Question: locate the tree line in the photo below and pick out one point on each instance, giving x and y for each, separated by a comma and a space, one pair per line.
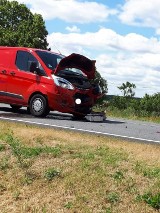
148, 106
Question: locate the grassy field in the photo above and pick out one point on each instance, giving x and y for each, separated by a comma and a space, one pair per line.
48, 170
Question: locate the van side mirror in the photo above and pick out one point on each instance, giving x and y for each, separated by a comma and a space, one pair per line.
33, 67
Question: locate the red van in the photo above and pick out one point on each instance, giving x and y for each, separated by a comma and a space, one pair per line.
42, 81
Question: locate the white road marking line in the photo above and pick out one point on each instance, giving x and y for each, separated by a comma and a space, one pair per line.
82, 130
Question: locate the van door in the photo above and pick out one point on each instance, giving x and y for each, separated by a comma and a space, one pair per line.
21, 81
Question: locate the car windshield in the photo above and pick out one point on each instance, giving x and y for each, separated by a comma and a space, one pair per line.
51, 60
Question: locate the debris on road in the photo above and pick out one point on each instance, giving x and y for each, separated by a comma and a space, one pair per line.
96, 117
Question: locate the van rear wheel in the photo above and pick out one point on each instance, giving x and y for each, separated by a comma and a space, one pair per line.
39, 106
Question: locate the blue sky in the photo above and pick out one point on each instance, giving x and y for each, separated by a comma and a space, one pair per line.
122, 35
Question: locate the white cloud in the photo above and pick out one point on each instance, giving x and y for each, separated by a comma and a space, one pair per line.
141, 13
158, 31
107, 39
136, 68
73, 29
72, 11
132, 57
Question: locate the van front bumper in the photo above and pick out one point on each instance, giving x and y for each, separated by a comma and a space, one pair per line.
66, 101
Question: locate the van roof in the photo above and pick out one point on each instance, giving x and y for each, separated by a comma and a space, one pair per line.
20, 48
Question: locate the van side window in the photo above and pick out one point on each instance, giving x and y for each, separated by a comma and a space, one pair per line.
24, 59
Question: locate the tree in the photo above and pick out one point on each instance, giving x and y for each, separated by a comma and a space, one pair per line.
101, 81
19, 27
127, 89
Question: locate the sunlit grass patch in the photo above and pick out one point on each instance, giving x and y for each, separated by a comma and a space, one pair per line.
62, 171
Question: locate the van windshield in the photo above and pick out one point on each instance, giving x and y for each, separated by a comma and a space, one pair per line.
51, 60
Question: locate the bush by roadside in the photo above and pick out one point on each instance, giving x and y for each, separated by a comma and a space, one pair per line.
147, 108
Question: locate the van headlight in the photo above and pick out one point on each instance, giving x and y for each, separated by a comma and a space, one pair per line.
61, 82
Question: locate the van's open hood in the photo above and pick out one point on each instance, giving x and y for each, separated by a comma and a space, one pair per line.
78, 61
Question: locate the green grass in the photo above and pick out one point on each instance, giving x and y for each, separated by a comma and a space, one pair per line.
51, 173
151, 199
147, 171
2, 147
4, 163
131, 115
70, 172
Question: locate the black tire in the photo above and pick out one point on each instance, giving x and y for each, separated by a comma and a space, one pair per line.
38, 106
15, 107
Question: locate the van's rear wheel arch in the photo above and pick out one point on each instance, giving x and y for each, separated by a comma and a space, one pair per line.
38, 105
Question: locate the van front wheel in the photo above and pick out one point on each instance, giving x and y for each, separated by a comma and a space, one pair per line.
39, 106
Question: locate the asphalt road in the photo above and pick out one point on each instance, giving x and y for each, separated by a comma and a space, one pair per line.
127, 129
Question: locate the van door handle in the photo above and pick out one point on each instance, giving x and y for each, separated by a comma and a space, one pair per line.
4, 71
12, 73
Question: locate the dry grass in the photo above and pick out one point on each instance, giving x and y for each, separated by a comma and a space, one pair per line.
91, 173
